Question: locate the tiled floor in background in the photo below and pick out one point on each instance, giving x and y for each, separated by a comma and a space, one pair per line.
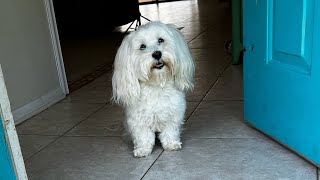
82, 136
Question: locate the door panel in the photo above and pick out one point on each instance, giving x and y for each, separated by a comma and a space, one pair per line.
290, 32
282, 72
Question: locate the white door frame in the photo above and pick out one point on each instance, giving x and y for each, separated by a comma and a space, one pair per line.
52, 25
10, 132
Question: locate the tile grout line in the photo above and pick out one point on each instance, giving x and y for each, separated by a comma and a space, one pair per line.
85, 80
79, 102
41, 149
242, 138
217, 100
196, 36
208, 91
102, 136
151, 165
228, 100
45, 135
219, 77
86, 118
93, 136
60, 136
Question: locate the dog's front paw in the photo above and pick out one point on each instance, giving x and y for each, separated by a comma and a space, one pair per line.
142, 152
172, 146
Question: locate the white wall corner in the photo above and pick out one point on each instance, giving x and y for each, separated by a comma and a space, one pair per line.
55, 41
38, 105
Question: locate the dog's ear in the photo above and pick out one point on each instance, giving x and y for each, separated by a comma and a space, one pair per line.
185, 68
125, 84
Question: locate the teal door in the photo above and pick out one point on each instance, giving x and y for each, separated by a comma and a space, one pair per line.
11, 160
282, 72
6, 166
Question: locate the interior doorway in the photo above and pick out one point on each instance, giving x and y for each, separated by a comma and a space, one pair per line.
89, 35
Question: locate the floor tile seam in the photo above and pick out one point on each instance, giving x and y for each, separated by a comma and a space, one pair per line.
226, 120
223, 138
222, 100
81, 120
60, 136
190, 18
102, 136
80, 102
97, 69
193, 101
102, 104
196, 36
35, 134
86, 117
26, 160
220, 76
152, 165
208, 91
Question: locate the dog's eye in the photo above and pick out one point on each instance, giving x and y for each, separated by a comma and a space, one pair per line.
160, 40
143, 47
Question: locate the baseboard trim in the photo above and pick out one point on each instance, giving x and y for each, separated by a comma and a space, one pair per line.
36, 106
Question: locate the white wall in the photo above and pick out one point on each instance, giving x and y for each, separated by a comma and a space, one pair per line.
27, 57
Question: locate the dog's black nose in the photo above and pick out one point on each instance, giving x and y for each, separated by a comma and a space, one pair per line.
157, 55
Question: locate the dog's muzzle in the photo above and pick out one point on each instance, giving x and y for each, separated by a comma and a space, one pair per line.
159, 65
157, 56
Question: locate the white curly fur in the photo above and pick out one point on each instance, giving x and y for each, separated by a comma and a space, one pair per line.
153, 98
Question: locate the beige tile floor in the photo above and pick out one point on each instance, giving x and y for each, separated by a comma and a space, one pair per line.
82, 137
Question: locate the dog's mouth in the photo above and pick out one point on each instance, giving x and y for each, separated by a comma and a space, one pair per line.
159, 65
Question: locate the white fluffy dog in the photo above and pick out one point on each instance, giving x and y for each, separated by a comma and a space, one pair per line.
153, 69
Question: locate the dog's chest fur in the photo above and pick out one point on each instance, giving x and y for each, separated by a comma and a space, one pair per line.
158, 106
